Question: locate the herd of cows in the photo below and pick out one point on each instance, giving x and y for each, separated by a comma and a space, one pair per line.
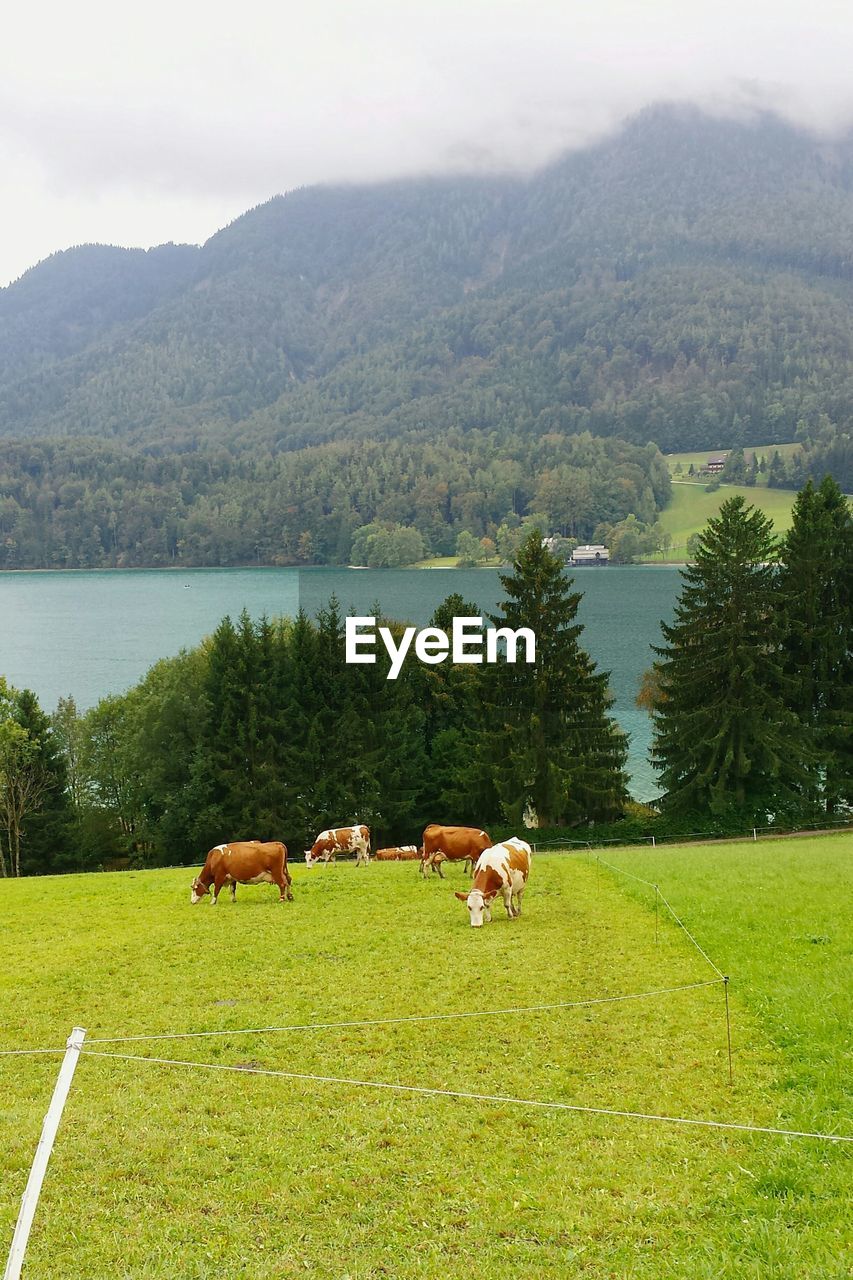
496, 869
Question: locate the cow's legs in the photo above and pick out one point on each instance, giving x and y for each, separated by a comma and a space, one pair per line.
436, 865
507, 897
233, 887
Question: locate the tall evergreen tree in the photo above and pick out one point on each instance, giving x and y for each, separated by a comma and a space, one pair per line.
46, 829
816, 598
226, 765
450, 696
548, 741
726, 743
302, 748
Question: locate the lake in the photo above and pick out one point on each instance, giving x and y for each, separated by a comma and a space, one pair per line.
89, 634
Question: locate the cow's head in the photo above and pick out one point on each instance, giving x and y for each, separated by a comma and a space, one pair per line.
198, 890
479, 906
309, 861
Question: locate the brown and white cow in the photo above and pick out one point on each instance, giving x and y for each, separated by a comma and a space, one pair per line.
503, 869
244, 862
397, 853
451, 844
340, 840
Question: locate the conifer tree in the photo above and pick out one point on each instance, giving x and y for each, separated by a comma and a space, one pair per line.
450, 697
342, 721
228, 749
548, 741
46, 829
269, 800
303, 748
816, 599
726, 743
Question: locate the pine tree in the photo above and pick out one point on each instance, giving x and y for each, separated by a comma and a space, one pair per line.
46, 829
268, 807
726, 743
549, 742
816, 598
449, 694
302, 760
227, 749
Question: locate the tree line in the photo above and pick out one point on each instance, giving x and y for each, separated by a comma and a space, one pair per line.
92, 504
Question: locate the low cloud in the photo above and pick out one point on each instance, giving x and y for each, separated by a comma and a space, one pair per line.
119, 124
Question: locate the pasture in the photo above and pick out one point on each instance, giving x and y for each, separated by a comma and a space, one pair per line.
165, 1171
690, 508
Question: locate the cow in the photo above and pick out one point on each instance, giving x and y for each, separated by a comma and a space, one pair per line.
502, 869
244, 862
397, 853
451, 844
340, 840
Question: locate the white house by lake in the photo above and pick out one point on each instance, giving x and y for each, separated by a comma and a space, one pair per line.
591, 553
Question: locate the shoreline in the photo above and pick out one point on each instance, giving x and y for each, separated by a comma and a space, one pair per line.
308, 568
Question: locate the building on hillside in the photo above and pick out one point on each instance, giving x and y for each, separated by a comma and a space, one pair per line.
716, 462
592, 553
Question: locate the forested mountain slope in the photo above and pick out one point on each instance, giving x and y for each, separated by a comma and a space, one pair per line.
687, 281
688, 278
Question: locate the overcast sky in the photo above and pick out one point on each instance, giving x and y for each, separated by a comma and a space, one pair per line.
164, 121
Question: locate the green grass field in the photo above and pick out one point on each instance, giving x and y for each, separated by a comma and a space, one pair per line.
691, 507
174, 1171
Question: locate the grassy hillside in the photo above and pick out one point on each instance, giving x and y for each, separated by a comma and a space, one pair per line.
691, 507
164, 1170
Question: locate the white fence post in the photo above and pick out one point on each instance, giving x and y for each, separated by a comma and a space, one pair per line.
29, 1200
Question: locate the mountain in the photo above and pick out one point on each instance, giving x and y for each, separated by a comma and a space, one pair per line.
687, 280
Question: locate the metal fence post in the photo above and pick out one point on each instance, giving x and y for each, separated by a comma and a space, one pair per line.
29, 1200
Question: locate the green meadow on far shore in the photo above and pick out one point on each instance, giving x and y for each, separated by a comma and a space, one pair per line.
165, 1170
690, 508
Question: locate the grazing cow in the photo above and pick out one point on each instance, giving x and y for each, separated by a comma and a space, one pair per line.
451, 844
340, 840
502, 869
244, 862
397, 853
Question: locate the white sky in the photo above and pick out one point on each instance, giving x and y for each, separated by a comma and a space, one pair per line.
168, 120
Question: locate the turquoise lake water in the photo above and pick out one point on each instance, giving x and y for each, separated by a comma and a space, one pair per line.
89, 634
